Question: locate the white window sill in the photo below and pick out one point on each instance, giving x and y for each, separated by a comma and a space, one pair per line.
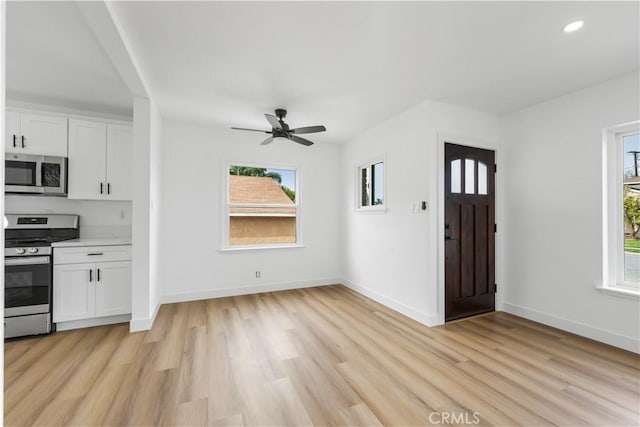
381, 210
620, 291
260, 248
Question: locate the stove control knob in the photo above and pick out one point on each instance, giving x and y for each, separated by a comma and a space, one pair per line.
33, 250
20, 251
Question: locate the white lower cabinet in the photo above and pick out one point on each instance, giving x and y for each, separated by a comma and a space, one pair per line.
74, 295
89, 289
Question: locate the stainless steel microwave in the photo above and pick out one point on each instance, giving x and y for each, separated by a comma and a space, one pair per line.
34, 174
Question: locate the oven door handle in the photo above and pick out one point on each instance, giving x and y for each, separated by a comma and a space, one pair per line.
35, 260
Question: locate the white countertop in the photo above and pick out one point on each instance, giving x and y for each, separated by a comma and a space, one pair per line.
93, 241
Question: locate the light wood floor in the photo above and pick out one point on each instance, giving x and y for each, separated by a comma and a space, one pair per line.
322, 356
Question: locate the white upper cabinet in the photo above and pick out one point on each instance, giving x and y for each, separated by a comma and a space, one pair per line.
42, 134
119, 162
87, 159
99, 160
12, 132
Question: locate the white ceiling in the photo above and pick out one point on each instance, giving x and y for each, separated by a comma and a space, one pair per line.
53, 57
346, 65
350, 64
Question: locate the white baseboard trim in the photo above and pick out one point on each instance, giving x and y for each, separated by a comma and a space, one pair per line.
144, 324
244, 290
88, 323
419, 316
578, 328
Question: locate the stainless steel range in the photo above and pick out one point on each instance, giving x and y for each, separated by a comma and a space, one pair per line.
28, 273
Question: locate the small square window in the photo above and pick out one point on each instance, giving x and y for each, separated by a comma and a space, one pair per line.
262, 206
371, 186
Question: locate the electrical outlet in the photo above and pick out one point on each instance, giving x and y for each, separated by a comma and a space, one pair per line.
258, 274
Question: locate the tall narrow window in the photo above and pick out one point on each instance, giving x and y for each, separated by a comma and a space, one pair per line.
371, 191
262, 206
631, 206
621, 209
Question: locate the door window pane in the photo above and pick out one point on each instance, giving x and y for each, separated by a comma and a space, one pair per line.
631, 207
469, 176
482, 178
456, 180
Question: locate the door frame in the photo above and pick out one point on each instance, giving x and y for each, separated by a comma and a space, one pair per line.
444, 137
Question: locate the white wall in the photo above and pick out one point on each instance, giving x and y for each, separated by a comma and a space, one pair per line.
553, 213
146, 236
193, 267
98, 218
393, 257
155, 214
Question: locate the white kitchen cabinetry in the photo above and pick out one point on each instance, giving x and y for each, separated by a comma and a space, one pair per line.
91, 283
100, 160
41, 134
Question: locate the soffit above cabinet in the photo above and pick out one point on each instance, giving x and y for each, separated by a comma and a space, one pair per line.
53, 58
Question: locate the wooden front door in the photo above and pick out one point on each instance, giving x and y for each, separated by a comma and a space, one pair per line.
469, 231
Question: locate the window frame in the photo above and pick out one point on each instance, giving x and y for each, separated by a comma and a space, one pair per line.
227, 205
358, 187
612, 214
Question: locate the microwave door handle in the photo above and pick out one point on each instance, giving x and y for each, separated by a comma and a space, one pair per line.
39, 167
35, 260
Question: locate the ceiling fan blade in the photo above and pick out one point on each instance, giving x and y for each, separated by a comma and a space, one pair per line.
273, 120
300, 140
267, 141
309, 129
253, 130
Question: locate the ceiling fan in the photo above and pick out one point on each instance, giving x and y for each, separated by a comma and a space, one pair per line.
279, 129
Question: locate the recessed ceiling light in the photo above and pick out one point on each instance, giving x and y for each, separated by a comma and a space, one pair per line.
573, 26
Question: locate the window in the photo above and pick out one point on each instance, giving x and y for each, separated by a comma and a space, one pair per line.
622, 208
469, 177
631, 206
371, 187
262, 206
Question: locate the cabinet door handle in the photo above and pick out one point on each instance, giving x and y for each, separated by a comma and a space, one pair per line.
108, 188
14, 141
101, 188
98, 270
22, 141
95, 253
90, 275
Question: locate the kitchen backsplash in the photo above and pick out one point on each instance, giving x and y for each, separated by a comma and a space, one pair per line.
97, 218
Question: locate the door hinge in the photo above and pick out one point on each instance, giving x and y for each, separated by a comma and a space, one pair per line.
495, 168
495, 228
495, 288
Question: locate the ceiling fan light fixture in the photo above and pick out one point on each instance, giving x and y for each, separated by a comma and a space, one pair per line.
573, 26
280, 130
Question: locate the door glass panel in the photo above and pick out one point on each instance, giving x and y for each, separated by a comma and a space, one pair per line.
469, 176
456, 181
482, 178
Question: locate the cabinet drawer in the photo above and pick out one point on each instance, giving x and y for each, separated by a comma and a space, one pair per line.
91, 254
